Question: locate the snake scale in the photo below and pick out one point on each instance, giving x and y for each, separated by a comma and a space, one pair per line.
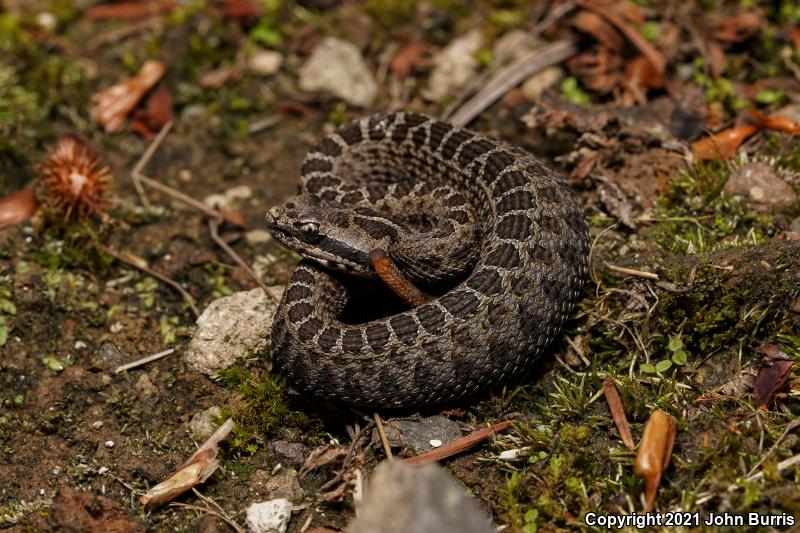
502, 233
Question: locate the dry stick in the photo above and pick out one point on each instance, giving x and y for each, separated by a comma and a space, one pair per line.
150, 272
508, 77
146, 156
633, 272
618, 413
208, 510
554, 14
457, 446
143, 361
379, 424
213, 226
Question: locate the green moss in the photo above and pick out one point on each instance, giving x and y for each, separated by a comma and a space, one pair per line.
262, 410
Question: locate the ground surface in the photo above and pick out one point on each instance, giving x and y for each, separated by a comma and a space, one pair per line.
723, 244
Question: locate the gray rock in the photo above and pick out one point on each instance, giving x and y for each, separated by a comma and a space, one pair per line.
269, 517
417, 435
283, 484
232, 328
453, 67
293, 453
337, 67
761, 187
417, 499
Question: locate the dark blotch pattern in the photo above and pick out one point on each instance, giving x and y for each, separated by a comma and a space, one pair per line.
405, 328
453, 142
513, 227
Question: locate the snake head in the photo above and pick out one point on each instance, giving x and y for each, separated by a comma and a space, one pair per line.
324, 233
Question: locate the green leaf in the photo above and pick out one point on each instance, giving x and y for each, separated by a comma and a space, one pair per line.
675, 344
8, 307
53, 364
768, 97
531, 515
647, 368
529, 528
664, 365
573, 93
679, 358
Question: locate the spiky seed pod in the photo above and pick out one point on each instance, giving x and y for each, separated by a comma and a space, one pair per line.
75, 180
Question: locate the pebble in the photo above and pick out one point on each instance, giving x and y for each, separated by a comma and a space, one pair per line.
292, 452
265, 62
109, 444
337, 67
257, 236
453, 67
420, 435
269, 517
102, 470
761, 187
403, 498
533, 87
230, 329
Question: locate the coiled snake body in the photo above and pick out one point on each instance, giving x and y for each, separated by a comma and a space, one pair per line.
501, 232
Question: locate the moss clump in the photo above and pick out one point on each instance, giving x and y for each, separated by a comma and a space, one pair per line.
262, 409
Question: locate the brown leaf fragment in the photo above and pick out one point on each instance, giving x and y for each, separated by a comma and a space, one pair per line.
736, 28
322, 456
655, 450
618, 413
640, 75
196, 470
114, 104
595, 26
245, 11
770, 381
215, 79
408, 58
18, 207
130, 10
157, 113
725, 143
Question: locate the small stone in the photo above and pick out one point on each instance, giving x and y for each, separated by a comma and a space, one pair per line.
257, 236
239, 192
265, 62
116, 327
337, 67
269, 517
217, 201
232, 328
293, 453
435, 443
202, 423
56, 470
419, 435
282, 484
145, 387
80, 345
110, 356
109, 444
46, 20
417, 499
453, 67
97, 424
533, 87
761, 187
102, 470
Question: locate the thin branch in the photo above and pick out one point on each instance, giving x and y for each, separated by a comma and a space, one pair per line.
213, 226
379, 424
143, 361
633, 272
457, 446
150, 272
509, 77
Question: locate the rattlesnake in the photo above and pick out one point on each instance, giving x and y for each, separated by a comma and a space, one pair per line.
498, 238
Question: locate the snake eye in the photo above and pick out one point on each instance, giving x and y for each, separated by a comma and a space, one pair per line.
309, 232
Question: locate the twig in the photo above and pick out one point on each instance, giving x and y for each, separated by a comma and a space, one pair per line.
119, 34
508, 77
552, 16
789, 427
147, 270
146, 156
457, 446
633, 272
618, 413
143, 361
379, 424
208, 510
213, 226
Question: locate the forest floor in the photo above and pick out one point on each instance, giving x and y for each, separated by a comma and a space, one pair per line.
674, 122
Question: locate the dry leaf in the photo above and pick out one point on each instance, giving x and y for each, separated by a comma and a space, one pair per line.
132, 10
725, 143
640, 75
222, 76
245, 11
618, 413
771, 380
113, 105
737, 28
655, 450
196, 470
18, 207
595, 26
156, 114
408, 58
322, 456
